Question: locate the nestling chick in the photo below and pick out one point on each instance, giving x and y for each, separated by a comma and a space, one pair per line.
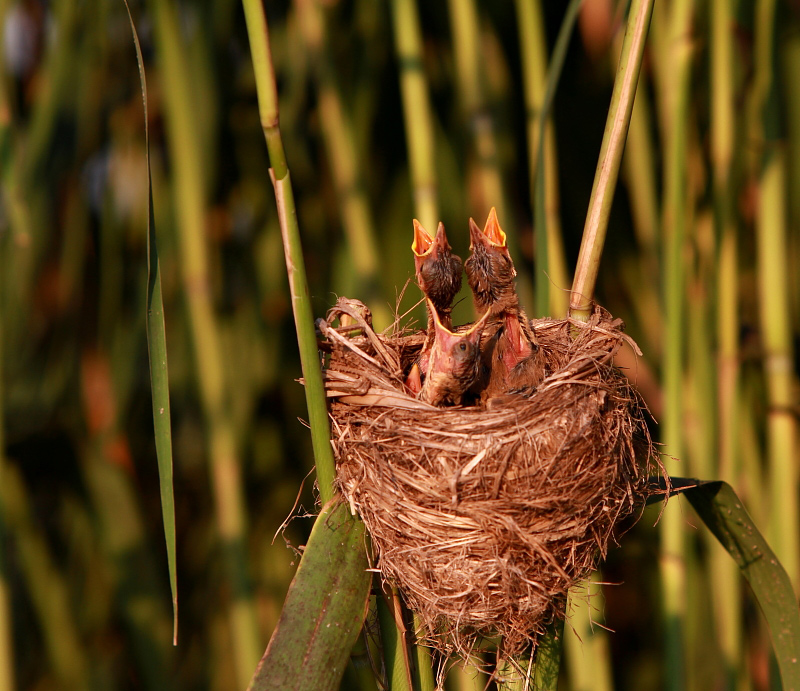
438, 273
455, 361
509, 344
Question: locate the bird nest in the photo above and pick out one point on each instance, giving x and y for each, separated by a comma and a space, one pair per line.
485, 516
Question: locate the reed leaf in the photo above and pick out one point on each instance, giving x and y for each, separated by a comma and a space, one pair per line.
324, 608
157, 349
725, 516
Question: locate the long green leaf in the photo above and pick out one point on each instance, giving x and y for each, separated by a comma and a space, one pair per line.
157, 349
725, 516
324, 609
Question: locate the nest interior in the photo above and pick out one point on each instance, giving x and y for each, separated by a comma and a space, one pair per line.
485, 516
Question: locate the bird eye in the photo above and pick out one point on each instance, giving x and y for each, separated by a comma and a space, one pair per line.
462, 347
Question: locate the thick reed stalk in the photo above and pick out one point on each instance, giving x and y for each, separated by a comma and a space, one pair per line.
533, 56
673, 567
586, 642
782, 438
185, 148
417, 113
613, 145
725, 578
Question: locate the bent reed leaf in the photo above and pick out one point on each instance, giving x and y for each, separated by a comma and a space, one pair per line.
725, 516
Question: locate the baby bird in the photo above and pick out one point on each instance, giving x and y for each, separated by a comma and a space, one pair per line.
454, 365
438, 273
509, 344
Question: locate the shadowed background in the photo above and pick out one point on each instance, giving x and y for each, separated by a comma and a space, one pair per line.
714, 149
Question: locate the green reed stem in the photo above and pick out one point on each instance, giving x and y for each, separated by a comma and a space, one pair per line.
773, 283
190, 204
724, 575
533, 56
586, 642
295, 267
673, 566
394, 642
417, 112
613, 145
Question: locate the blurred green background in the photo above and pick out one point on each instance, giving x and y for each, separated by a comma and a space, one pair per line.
711, 178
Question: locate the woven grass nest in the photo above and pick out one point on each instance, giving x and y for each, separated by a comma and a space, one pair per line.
486, 516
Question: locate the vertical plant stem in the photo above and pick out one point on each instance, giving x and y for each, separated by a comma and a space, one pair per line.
417, 113
586, 642
776, 333
394, 642
724, 575
616, 131
673, 567
533, 55
295, 267
226, 481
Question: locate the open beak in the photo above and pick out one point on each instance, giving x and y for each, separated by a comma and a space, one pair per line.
492, 235
423, 242
440, 243
493, 231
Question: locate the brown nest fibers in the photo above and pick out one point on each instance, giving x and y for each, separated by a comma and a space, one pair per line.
485, 516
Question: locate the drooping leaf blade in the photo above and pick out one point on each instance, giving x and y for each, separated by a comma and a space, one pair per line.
157, 349
725, 516
324, 608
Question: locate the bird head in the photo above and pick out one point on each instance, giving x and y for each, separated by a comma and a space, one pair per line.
492, 239
490, 270
457, 354
427, 248
438, 270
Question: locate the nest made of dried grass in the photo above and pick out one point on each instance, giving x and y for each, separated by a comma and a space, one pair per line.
486, 516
